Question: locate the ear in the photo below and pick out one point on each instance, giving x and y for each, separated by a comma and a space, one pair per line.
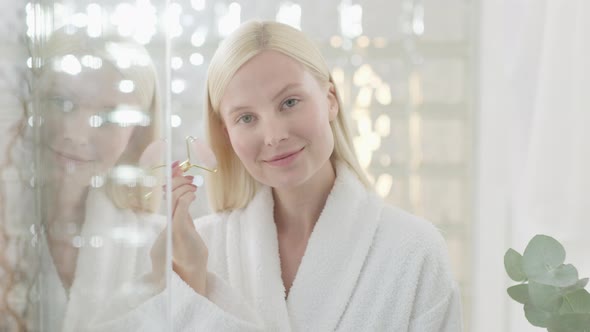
333, 105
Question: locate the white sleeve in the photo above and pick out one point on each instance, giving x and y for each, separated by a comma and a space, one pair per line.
444, 316
437, 305
222, 310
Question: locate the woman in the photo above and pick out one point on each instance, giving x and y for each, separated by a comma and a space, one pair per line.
297, 240
97, 108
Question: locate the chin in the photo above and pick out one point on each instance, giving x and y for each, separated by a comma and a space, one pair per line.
287, 181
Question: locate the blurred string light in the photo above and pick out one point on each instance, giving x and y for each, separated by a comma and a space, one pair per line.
69, 64
91, 62
94, 26
228, 18
126, 175
379, 42
127, 55
130, 236
173, 13
336, 41
383, 125
79, 20
199, 36
412, 28
175, 121
363, 41
370, 87
196, 59
176, 63
415, 89
97, 181
137, 21
127, 115
351, 17
290, 13
418, 19
126, 86
95, 121
177, 86
383, 185
198, 5
39, 21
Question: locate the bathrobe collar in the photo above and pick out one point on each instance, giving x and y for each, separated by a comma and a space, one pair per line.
329, 269
110, 240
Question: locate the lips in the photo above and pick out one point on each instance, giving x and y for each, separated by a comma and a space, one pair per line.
283, 156
70, 156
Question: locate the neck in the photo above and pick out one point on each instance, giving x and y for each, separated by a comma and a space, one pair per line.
296, 210
65, 205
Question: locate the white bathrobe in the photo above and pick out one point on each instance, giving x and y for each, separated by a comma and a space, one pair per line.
368, 266
114, 252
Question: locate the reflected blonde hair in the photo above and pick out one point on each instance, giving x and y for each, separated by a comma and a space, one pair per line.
233, 187
109, 49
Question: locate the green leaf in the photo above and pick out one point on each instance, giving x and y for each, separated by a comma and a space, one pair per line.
520, 293
579, 301
513, 265
536, 316
575, 287
542, 262
573, 322
545, 297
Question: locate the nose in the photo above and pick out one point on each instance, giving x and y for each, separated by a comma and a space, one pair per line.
275, 130
76, 128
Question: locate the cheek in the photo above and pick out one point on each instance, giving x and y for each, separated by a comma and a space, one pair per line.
244, 145
52, 127
111, 144
315, 124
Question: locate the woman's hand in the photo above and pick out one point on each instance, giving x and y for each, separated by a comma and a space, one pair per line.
189, 252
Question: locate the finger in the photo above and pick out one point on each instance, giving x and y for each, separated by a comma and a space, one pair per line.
176, 171
181, 180
182, 215
180, 191
178, 181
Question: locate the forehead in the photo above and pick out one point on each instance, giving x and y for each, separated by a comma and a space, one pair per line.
263, 76
266, 65
92, 87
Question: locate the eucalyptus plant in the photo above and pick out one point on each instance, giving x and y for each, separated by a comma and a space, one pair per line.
552, 294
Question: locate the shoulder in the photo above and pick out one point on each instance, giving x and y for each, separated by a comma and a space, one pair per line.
415, 247
410, 235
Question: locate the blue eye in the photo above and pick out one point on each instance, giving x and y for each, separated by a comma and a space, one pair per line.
290, 102
61, 104
246, 118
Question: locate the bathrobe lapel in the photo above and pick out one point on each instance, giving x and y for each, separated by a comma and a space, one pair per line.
335, 254
108, 258
253, 262
330, 266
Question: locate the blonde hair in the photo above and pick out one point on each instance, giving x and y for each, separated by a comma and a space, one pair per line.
232, 187
139, 69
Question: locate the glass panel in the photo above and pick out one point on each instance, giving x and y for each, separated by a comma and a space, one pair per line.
88, 167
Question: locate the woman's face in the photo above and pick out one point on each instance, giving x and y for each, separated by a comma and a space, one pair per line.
81, 136
277, 117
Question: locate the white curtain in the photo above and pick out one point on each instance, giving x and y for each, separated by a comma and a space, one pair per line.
534, 146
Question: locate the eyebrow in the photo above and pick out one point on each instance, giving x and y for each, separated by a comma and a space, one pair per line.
277, 95
286, 88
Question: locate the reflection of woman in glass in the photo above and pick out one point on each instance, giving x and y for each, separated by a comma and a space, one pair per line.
95, 107
297, 241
